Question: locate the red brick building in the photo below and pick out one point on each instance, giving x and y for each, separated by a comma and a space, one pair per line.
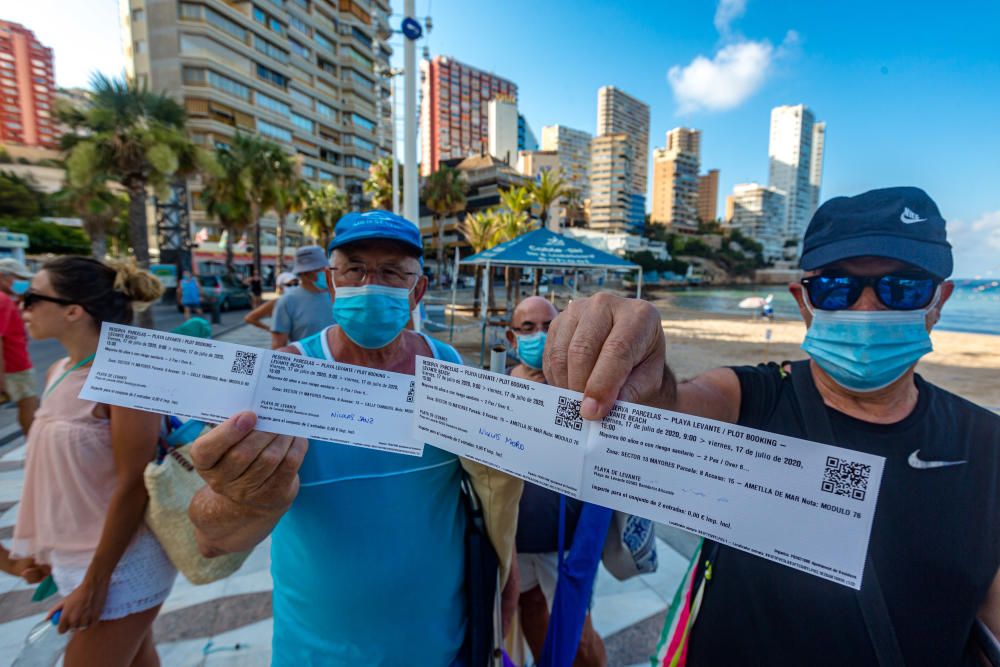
454, 121
27, 89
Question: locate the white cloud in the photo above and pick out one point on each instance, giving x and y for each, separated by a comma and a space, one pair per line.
976, 246
727, 12
737, 70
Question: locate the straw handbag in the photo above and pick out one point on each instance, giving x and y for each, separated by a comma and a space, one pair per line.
171, 485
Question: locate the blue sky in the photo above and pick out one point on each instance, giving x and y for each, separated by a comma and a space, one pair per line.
909, 89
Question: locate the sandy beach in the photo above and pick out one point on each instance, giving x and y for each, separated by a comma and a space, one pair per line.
964, 363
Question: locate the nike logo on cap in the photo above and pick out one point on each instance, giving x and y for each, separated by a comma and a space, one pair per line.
916, 462
908, 217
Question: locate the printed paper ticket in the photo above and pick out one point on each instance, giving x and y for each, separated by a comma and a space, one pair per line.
803, 504
291, 394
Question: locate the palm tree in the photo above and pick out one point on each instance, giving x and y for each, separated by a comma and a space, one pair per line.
289, 195
98, 208
510, 225
545, 191
225, 200
323, 207
480, 230
517, 200
379, 184
134, 137
259, 161
444, 195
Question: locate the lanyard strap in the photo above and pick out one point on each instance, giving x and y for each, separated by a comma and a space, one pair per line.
83, 362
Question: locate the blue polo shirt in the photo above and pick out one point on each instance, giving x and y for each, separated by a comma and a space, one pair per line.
368, 564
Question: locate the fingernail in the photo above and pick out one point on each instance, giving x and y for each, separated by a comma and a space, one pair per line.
245, 421
589, 408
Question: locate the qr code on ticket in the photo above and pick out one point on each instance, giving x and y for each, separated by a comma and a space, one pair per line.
846, 478
568, 414
244, 363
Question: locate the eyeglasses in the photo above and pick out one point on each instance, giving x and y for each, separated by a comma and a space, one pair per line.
30, 298
389, 275
532, 327
896, 291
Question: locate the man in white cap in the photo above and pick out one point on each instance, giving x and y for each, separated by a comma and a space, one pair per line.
17, 377
307, 310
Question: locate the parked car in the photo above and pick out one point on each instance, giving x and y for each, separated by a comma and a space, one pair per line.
229, 293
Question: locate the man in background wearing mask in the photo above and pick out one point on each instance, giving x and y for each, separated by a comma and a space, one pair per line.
17, 377
875, 282
538, 514
304, 311
367, 549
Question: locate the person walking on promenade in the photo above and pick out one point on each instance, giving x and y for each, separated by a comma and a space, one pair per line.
257, 316
256, 287
538, 513
368, 547
84, 498
189, 293
306, 310
876, 268
17, 377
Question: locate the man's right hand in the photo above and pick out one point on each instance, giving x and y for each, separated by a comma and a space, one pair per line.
609, 347
251, 468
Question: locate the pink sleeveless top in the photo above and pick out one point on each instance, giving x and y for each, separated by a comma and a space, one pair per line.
69, 477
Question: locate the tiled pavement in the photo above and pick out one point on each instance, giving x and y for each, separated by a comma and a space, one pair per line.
229, 622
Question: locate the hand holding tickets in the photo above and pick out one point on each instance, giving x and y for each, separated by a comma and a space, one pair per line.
290, 394
804, 504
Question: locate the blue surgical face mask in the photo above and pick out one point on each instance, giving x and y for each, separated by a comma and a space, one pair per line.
530, 348
372, 315
321, 280
20, 286
866, 350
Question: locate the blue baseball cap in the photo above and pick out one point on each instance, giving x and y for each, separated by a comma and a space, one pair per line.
375, 224
900, 223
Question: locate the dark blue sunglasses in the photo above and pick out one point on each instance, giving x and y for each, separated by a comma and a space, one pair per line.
896, 291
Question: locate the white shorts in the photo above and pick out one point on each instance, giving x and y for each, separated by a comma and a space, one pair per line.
142, 580
540, 570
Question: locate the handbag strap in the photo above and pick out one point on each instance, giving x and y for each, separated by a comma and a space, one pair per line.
817, 425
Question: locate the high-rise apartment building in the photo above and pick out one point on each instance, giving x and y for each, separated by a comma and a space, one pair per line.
454, 110
708, 195
573, 148
619, 112
526, 140
502, 129
612, 202
303, 73
27, 89
795, 153
675, 180
759, 213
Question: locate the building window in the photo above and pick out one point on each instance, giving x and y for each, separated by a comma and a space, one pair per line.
186, 10
271, 104
363, 144
226, 25
269, 75
299, 49
357, 162
274, 131
262, 17
193, 76
361, 121
325, 110
302, 4
327, 66
139, 48
298, 24
324, 43
361, 37
325, 175
300, 97
269, 49
302, 123
359, 58
362, 81
138, 15
308, 171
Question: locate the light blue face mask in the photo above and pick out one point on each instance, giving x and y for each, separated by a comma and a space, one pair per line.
19, 287
530, 348
866, 350
372, 315
321, 280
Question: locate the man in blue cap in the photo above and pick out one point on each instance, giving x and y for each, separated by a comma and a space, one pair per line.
875, 280
368, 547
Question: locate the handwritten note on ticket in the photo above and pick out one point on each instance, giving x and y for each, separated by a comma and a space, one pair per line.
291, 394
803, 504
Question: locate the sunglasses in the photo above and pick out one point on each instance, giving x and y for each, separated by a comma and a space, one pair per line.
896, 291
30, 298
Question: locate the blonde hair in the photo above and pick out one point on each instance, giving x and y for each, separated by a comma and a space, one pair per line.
140, 287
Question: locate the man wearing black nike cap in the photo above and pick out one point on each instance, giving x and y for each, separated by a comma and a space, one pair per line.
875, 280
